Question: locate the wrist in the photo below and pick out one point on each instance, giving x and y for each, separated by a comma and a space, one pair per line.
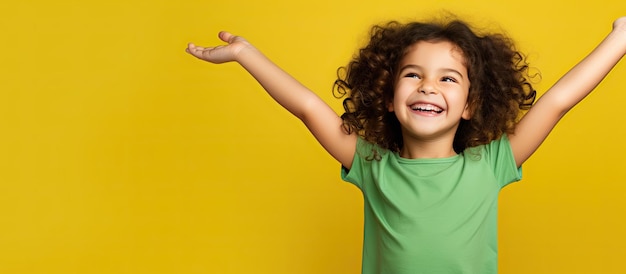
246, 52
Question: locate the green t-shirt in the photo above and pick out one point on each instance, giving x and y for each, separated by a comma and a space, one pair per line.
432, 215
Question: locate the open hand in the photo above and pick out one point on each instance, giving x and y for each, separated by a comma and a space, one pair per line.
223, 53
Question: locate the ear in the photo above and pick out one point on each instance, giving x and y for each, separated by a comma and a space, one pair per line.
390, 106
467, 113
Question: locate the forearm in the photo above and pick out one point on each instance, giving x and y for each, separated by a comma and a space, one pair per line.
281, 86
535, 126
319, 118
588, 73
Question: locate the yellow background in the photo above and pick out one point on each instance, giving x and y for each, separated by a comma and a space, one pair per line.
121, 154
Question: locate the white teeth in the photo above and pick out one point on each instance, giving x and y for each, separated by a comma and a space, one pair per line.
426, 107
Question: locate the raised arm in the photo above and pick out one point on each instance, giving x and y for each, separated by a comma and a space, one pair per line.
319, 118
567, 92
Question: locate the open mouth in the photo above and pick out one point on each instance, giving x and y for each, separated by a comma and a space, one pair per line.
428, 108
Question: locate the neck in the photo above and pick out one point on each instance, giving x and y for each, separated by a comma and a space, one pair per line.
420, 149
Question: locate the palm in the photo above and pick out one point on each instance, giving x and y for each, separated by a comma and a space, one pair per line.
220, 54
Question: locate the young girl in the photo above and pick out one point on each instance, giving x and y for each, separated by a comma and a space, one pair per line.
430, 133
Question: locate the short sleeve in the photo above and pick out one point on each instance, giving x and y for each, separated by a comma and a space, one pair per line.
365, 156
500, 156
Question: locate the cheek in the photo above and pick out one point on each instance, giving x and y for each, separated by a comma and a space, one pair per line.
456, 100
392, 102
466, 107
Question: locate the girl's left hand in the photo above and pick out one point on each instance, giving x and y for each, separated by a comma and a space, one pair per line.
620, 24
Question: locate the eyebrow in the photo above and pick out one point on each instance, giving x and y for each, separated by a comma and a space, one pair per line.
419, 67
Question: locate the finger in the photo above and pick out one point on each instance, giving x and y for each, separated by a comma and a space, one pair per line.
224, 35
192, 46
227, 37
198, 51
195, 50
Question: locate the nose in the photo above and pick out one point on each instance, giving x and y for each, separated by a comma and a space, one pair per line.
427, 88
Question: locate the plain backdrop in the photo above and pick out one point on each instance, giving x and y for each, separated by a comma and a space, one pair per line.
119, 153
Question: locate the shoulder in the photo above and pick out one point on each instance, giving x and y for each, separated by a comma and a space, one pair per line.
370, 151
498, 157
496, 146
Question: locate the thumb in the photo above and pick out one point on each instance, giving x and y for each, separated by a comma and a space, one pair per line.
226, 36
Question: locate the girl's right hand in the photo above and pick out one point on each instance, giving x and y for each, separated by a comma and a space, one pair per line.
223, 53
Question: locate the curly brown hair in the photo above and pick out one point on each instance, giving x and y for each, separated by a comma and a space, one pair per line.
499, 92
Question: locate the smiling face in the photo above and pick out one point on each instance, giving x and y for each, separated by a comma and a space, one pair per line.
430, 92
